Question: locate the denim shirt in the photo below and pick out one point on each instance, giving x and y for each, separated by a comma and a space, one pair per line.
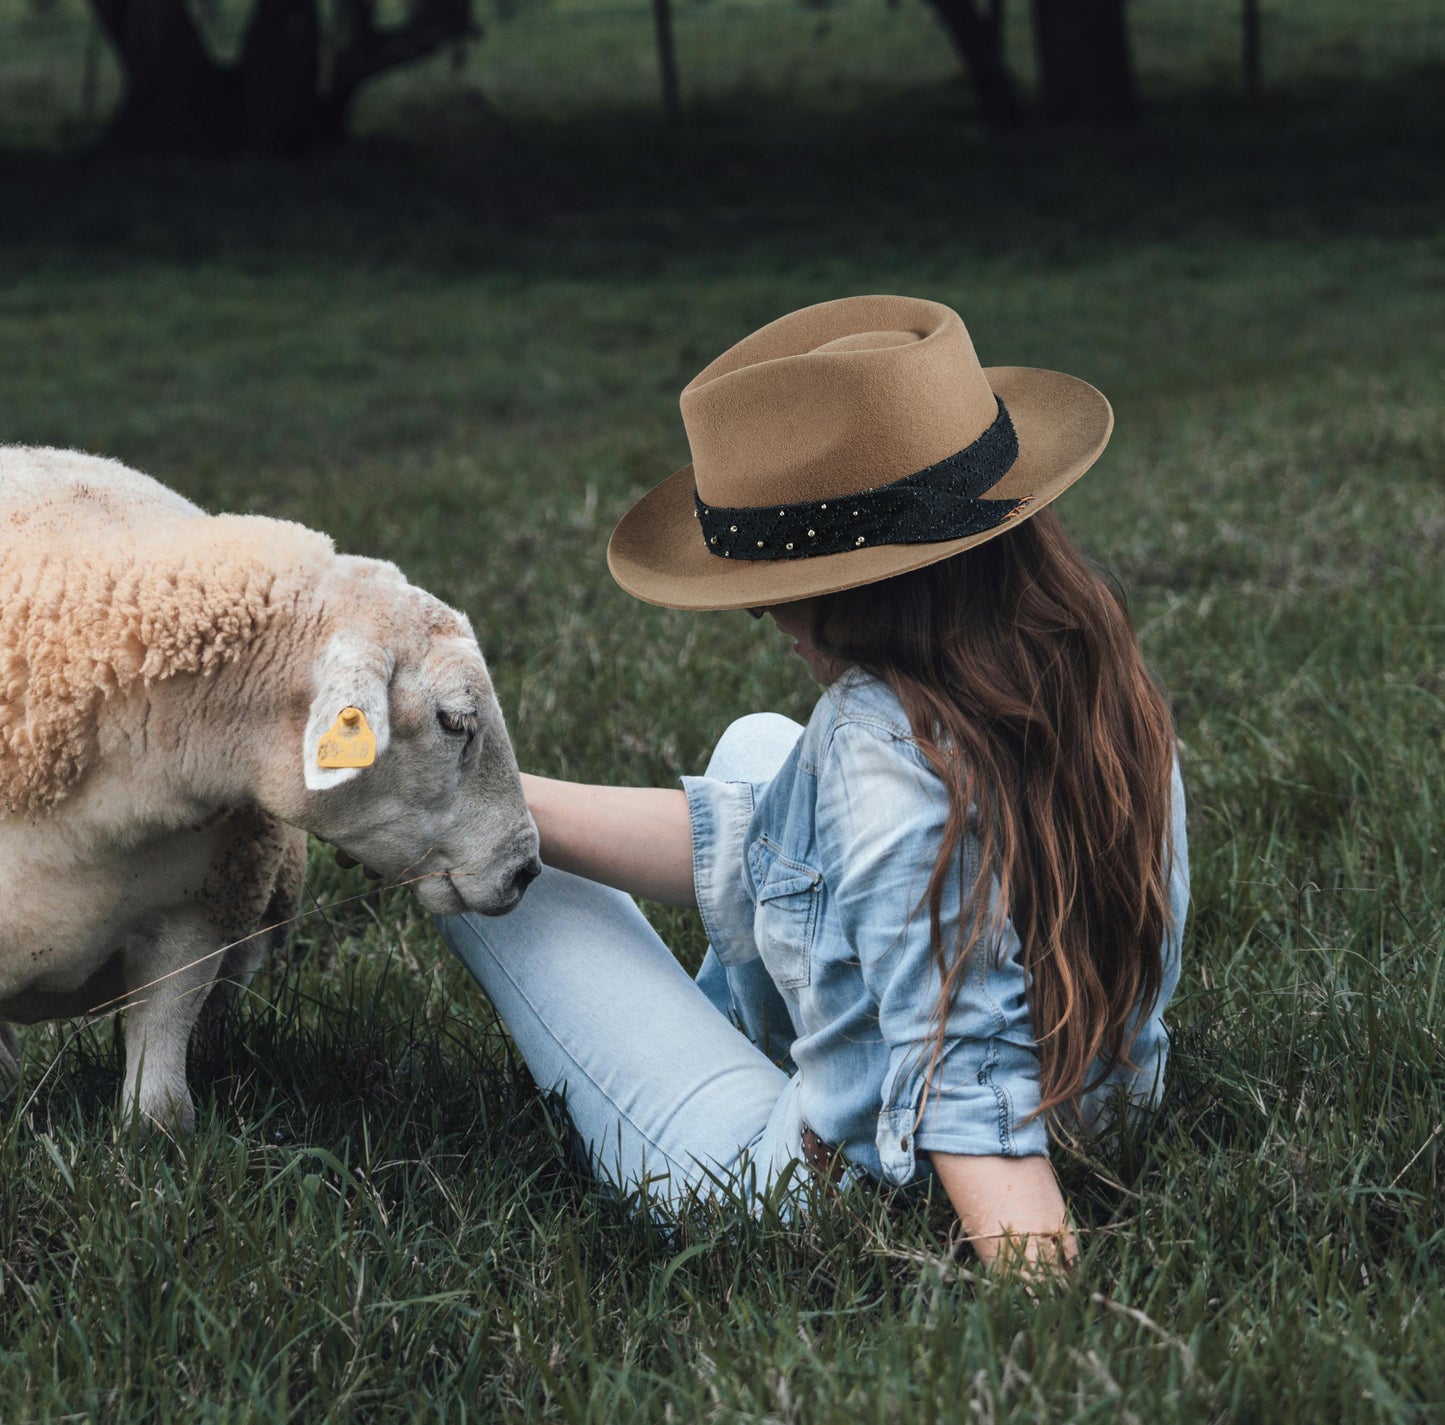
819, 876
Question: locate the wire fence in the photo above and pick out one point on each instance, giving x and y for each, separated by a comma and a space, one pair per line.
557, 59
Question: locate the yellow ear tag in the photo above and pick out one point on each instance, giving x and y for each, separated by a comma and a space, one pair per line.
348, 742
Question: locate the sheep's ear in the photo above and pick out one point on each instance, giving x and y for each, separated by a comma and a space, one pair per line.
351, 673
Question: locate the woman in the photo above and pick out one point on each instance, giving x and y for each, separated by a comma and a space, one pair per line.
951, 905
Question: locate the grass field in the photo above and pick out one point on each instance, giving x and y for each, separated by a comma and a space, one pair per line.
459, 346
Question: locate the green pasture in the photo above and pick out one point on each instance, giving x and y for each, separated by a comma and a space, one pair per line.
458, 344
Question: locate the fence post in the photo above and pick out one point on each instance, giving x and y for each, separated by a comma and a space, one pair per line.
1250, 52
666, 62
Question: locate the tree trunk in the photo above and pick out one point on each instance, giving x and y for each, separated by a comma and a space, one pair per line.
280, 72
276, 98
978, 38
176, 96
1086, 69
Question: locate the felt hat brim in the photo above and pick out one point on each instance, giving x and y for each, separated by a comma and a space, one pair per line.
658, 554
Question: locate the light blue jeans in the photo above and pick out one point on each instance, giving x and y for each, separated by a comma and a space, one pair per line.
662, 1088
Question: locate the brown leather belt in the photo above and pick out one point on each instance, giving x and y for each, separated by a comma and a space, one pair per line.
823, 1157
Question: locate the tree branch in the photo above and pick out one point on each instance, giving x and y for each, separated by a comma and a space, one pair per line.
431, 24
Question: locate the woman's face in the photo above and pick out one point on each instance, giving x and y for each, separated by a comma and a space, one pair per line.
795, 621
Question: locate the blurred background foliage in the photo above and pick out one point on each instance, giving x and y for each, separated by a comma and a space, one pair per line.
545, 61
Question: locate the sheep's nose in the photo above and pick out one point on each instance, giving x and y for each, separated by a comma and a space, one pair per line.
526, 874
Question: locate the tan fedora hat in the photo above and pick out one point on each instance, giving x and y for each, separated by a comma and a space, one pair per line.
846, 443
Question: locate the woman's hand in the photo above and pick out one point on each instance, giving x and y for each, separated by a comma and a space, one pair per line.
1011, 1209
638, 839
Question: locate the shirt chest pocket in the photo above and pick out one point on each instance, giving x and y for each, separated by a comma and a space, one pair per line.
786, 915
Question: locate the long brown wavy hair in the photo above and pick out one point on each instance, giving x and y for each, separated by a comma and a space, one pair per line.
1026, 690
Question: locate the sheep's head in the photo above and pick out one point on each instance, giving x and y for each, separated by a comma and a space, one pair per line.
439, 805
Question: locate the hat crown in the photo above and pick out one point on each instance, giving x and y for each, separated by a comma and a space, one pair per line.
833, 400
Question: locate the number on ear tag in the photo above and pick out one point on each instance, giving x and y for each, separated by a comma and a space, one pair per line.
348, 742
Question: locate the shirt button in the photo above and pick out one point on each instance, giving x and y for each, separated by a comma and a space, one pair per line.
903, 1142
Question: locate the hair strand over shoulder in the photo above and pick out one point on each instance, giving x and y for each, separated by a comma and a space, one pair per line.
1026, 689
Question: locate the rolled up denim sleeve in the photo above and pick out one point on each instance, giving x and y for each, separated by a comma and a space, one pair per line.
720, 813
882, 812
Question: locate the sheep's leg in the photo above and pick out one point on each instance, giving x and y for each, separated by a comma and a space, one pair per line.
9, 1060
280, 879
168, 975
242, 959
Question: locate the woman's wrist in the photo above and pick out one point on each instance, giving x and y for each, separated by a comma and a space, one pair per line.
1028, 1254
1011, 1210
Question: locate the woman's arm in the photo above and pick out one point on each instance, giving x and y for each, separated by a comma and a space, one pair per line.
638, 839
1011, 1209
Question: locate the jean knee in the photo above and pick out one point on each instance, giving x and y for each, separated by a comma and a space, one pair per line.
753, 748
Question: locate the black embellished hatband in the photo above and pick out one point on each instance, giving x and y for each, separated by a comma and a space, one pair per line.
939, 502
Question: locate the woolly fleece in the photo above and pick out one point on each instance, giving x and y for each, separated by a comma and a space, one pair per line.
85, 616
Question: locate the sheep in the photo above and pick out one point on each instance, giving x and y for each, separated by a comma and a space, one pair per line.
182, 698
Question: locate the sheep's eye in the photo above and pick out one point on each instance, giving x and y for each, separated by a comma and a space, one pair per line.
459, 724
